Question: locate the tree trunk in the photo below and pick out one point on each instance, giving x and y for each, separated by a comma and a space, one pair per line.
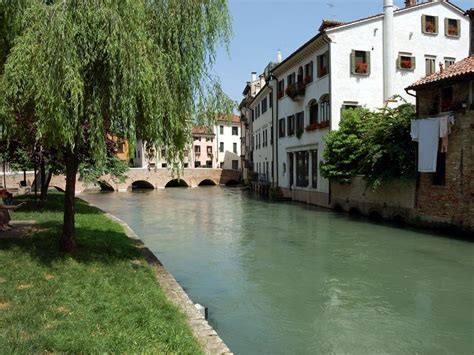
67, 242
45, 180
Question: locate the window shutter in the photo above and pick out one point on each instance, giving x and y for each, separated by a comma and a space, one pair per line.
459, 28
318, 65
353, 60
311, 70
436, 24
446, 26
367, 56
413, 60
399, 62
423, 23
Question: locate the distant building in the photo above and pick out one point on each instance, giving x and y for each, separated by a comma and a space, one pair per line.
447, 194
227, 132
204, 147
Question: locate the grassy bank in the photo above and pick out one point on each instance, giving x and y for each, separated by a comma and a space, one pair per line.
102, 299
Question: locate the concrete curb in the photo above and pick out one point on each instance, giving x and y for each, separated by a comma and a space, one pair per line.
207, 337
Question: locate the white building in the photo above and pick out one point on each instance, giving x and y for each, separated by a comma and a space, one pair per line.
262, 135
361, 63
227, 131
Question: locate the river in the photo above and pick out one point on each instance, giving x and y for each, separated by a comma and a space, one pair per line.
293, 279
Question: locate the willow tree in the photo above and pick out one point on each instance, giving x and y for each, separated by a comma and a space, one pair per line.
135, 69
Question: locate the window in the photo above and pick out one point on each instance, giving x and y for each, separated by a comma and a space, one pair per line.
253, 115
197, 149
448, 62
271, 135
439, 177
313, 113
446, 99
281, 89
235, 131
302, 169
264, 134
186, 165
406, 62
164, 165
452, 27
348, 105
430, 63
221, 129
314, 169
197, 164
291, 125
209, 150
290, 80
360, 62
291, 168
208, 163
324, 109
300, 77
235, 164
429, 24
308, 72
120, 146
323, 64
221, 147
281, 127
300, 122
163, 152
270, 100
264, 105
234, 146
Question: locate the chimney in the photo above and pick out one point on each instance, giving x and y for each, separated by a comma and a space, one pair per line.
278, 57
388, 50
470, 13
254, 76
410, 3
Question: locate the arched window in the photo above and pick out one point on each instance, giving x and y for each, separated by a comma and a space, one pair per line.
324, 109
313, 112
300, 75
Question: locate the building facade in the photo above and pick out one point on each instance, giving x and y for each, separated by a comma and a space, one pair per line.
361, 63
446, 195
227, 132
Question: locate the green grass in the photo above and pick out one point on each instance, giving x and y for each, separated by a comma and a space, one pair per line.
97, 300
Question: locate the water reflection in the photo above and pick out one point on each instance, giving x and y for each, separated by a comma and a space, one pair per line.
282, 278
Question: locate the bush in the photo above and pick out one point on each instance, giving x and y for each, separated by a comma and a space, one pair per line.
375, 144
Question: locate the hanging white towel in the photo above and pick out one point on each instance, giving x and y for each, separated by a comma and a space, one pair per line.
428, 140
443, 126
414, 130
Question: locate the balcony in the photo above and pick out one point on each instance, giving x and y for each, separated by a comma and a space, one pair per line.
296, 91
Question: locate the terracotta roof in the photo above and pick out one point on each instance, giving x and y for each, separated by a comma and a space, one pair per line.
461, 68
329, 24
204, 130
231, 119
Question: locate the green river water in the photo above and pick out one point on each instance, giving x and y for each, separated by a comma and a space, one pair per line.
292, 279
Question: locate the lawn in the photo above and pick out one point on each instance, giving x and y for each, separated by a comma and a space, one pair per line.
102, 299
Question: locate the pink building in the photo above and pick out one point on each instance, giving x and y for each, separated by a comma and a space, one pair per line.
205, 147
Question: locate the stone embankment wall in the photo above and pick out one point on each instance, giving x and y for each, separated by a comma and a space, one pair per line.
394, 201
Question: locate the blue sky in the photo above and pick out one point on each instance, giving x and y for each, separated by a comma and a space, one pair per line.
261, 27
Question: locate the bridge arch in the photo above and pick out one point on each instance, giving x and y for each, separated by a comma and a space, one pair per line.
207, 182
232, 183
177, 183
105, 186
142, 185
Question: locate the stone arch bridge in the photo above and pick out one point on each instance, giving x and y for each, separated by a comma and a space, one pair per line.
142, 178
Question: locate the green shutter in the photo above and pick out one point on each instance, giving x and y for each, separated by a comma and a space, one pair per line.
399, 62
459, 28
413, 60
353, 60
367, 57
423, 23
436, 24
318, 65
446, 26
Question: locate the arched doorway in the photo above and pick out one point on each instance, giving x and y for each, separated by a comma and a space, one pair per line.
207, 182
142, 185
177, 183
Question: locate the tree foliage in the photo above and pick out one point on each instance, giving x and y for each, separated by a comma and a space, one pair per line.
375, 144
81, 71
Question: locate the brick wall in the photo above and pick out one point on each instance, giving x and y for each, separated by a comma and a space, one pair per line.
453, 202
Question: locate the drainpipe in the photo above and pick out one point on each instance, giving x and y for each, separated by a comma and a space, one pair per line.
388, 50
